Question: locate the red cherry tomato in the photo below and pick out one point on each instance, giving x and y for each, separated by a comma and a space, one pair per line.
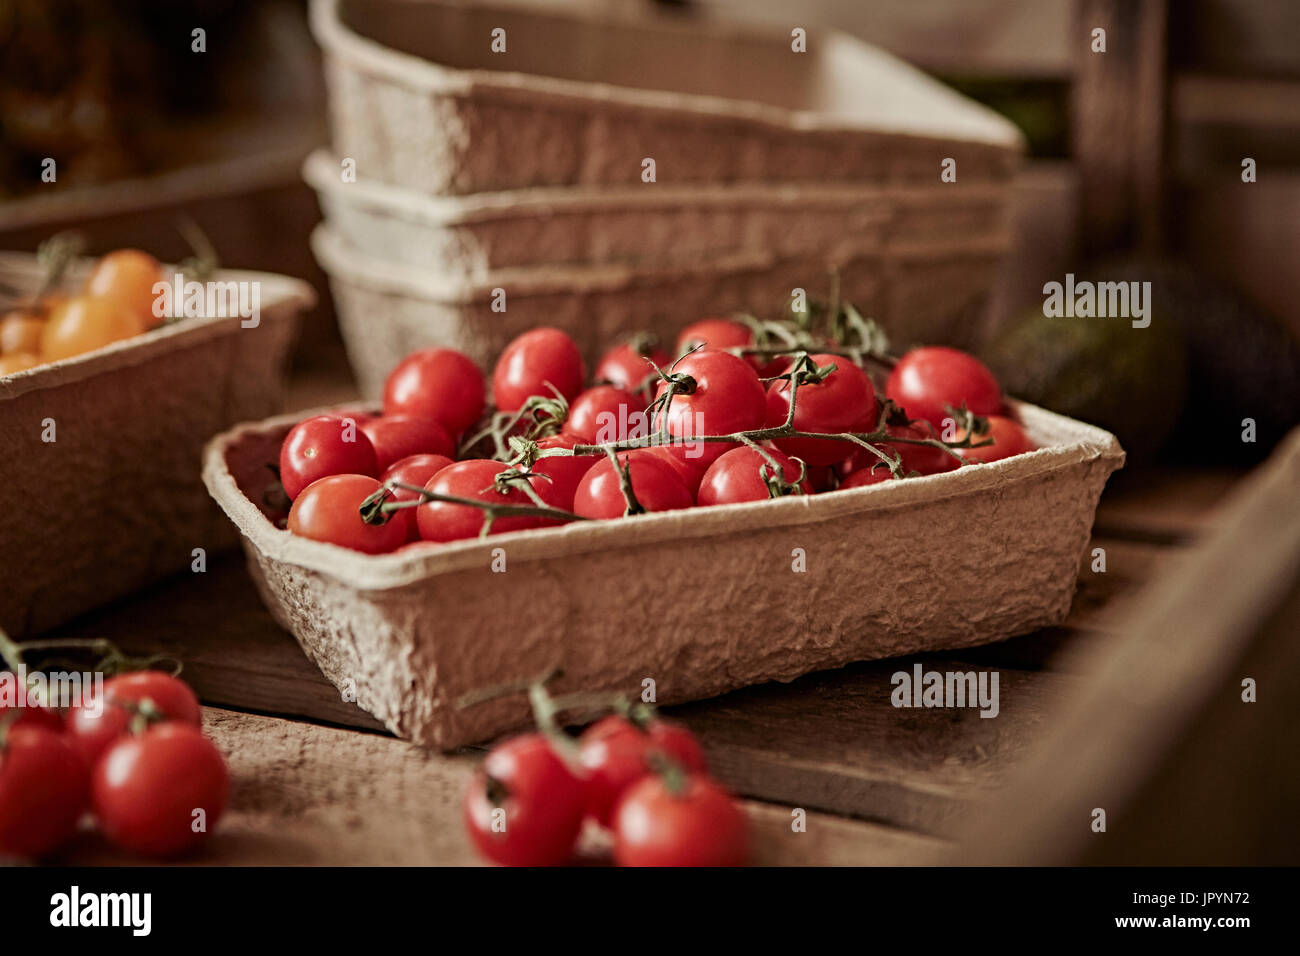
701, 825
414, 470
923, 459
654, 483
867, 476
844, 401
689, 470
476, 478
926, 379
147, 788
31, 713
738, 476
540, 804
726, 397
615, 753
565, 471
823, 478
95, 724
534, 361
605, 413
716, 333
322, 446
395, 437
43, 790
330, 510
625, 366
441, 384
1008, 439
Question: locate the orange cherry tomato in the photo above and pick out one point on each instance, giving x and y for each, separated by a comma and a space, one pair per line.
128, 276
20, 331
84, 323
17, 362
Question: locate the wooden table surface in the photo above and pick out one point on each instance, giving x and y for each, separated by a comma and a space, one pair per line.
317, 780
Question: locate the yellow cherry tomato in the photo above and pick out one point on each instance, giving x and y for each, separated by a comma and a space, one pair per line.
17, 362
87, 322
128, 276
20, 331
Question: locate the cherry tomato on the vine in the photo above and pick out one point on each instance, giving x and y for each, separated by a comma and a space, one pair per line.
436, 383
84, 323
655, 485
127, 276
739, 476
322, 446
564, 471
926, 379
43, 790
615, 753
329, 509
625, 366
395, 437
718, 333
94, 724
30, 714
867, 476
698, 824
605, 413
843, 401
413, 470
533, 362
148, 788
1009, 439
689, 470
476, 479
724, 396
524, 806
923, 459
20, 332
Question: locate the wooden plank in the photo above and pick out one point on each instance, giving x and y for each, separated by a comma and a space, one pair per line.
1161, 739
1164, 505
1119, 122
242, 659
865, 761
309, 795
836, 743
1228, 36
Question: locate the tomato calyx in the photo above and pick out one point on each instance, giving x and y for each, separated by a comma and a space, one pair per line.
545, 415
144, 714
496, 791
672, 773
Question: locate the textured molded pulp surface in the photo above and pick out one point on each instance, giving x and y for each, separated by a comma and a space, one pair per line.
701, 601
115, 502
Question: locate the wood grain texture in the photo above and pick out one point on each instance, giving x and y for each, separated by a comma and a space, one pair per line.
1119, 113
1160, 737
828, 742
309, 795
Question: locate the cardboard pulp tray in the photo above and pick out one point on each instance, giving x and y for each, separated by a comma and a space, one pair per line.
701, 601
419, 99
921, 292
474, 235
115, 501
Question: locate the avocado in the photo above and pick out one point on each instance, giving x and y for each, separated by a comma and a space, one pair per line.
1130, 381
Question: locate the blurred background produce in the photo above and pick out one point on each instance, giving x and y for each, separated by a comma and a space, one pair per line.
1116, 185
